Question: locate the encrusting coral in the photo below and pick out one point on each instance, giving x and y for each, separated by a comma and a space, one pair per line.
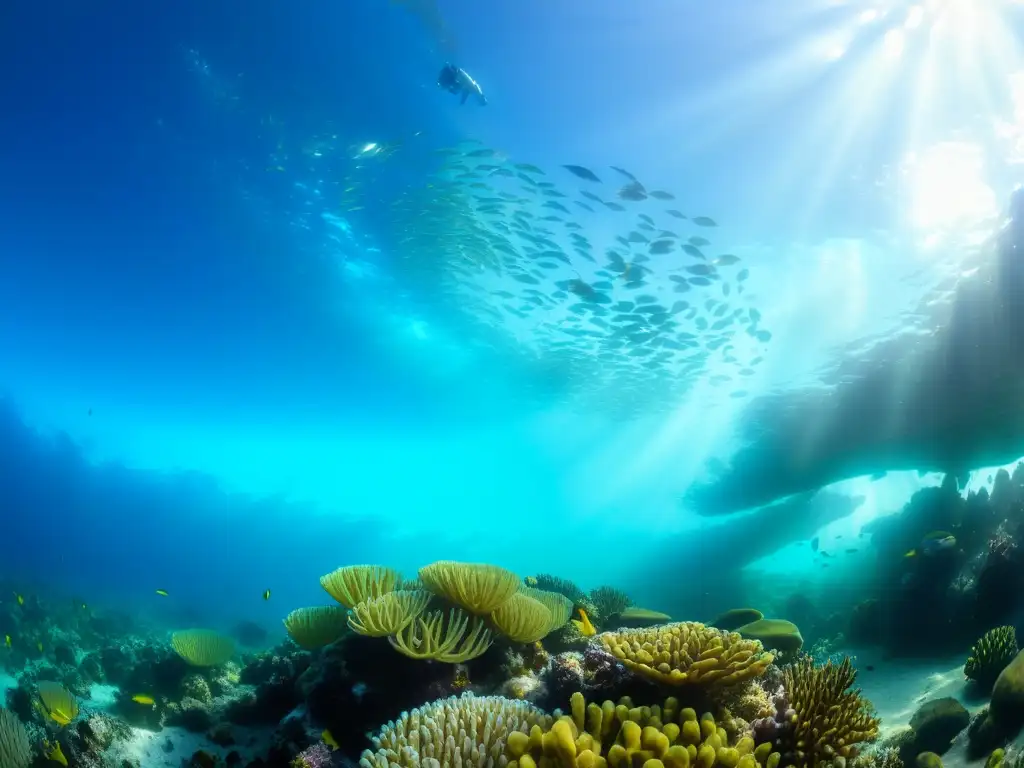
452, 733
688, 653
990, 655
621, 735
826, 718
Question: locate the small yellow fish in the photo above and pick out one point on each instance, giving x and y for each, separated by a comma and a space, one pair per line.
162, 592
141, 698
7, 640
329, 740
39, 645
54, 752
266, 594
583, 625
21, 600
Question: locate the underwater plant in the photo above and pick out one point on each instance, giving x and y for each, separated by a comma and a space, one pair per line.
688, 652
990, 655
315, 627
203, 647
468, 730
15, 750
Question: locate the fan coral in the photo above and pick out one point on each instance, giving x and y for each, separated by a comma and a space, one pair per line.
688, 653
315, 627
990, 655
563, 587
352, 584
57, 702
388, 614
475, 587
203, 647
621, 735
828, 718
15, 751
522, 619
559, 606
453, 732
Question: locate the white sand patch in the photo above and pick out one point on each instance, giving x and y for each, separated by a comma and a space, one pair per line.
102, 697
897, 687
167, 748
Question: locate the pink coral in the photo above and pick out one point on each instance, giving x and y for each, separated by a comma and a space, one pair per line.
317, 756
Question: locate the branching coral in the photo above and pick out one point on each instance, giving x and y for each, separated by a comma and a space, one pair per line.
990, 655
827, 717
687, 653
352, 584
621, 735
455, 642
453, 733
388, 614
609, 602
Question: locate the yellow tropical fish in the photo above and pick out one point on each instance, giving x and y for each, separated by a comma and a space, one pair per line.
20, 599
329, 740
54, 752
266, 594
583, 625
7, 640
58, 715
162, 592
141, 698
39, 645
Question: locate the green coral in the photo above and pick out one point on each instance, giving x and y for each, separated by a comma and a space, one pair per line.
831, 717
15, 751
990, 655
609, 602
564, 587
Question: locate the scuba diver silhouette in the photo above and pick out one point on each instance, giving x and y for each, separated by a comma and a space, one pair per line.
457, 81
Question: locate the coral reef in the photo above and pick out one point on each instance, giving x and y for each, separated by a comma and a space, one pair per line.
688, 653
452, 732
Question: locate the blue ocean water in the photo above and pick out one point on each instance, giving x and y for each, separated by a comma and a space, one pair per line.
225, 369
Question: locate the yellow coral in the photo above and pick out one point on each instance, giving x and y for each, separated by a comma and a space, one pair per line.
558, 605
453, 733
522, 619
315, 627
688, 653
455, 642
352, 584
475, 587
388, 614
203, 647
831, 717
622, 736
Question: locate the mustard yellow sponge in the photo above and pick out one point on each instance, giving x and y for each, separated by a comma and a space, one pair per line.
453, 733
831, 718
688, 653
623, 736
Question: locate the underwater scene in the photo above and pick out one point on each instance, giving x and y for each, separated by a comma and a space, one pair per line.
437, 384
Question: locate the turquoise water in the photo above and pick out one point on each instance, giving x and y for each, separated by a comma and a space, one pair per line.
260, 318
